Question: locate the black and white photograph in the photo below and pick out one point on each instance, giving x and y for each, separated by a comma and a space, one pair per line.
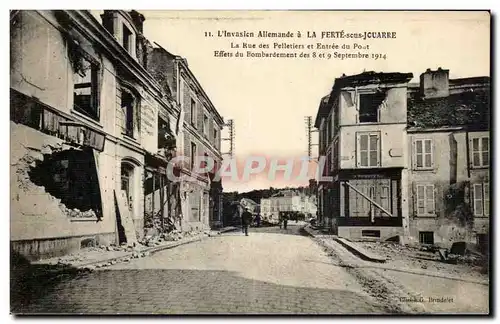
250, 162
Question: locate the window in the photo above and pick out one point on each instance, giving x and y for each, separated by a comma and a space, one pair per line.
328, 129
194, 202
481, 193
127, 39
370, 233
127, 103
480, 152
193, 112
193, 154
384, 198
85, 91
215, 136
368, 150
426, 237
423, 157
127, 171
335, 152
369, 106
205, 125
425, 200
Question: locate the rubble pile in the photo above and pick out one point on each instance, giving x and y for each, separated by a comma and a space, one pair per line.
76, 213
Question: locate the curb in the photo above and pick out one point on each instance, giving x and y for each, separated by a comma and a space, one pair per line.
148, 251
230, 229
88, 265
353, 248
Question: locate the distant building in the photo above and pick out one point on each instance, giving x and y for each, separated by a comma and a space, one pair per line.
288, 201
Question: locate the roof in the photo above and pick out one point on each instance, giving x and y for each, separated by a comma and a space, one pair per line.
467, 108
322, 111
359, 80
248, 201
372, 77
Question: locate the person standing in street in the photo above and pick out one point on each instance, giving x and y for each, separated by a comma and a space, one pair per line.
257, 220
285, 220
246, 218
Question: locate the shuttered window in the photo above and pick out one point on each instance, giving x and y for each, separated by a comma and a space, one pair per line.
425, 200
423, 154
368, 149
481, 199
480, 152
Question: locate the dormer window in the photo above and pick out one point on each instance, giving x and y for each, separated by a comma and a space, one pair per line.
127, 39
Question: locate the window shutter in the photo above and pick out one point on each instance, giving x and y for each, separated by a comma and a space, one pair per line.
433, 156
478, 201
379, 149
414, 153
471, 154
358, 148
486, 198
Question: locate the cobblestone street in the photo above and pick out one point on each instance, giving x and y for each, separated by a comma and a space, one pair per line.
266, 272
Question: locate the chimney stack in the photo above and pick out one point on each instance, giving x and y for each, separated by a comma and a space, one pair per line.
435, 84
138, 20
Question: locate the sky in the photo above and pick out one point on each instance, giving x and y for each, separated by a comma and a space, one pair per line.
269, 98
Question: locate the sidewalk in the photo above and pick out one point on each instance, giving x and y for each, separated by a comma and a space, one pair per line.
376, 260
407, 288
98, 257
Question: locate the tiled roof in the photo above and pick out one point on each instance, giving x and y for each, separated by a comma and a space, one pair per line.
468, 108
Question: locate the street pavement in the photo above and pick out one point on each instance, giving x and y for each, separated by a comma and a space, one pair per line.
271, 271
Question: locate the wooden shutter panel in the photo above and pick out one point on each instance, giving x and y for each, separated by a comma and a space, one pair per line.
414, 154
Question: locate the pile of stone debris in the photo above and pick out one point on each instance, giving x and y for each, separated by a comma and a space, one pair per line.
76, 213
103, 256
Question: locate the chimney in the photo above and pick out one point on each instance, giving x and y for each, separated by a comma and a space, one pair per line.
108, 20
138, 20
435, 84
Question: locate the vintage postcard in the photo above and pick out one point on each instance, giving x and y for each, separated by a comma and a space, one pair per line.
250, 162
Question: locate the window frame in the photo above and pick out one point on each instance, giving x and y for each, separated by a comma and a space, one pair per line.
484, 200
205, 125
425, 200
423, 154
193, 154
131, 133
368, 150
93, 111
480, 152
422, 234
377, 113
194, 115
127, 32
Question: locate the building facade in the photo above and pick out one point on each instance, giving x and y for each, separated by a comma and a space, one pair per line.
386, 181
449, 163
92, 131
287, 202
198, 135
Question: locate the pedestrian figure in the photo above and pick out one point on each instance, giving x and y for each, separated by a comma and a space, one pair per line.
246, 218
285, 221
257, 219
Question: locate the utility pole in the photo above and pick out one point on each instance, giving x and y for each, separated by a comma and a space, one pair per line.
309, 131
230, 125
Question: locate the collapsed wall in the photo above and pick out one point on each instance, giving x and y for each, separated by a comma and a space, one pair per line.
50, 215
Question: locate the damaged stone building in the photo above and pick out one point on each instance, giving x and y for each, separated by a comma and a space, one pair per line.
408, 161
92, 132
199, 135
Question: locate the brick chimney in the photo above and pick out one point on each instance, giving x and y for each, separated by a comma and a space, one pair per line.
435, 84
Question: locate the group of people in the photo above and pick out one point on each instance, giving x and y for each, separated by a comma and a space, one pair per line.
247, 219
